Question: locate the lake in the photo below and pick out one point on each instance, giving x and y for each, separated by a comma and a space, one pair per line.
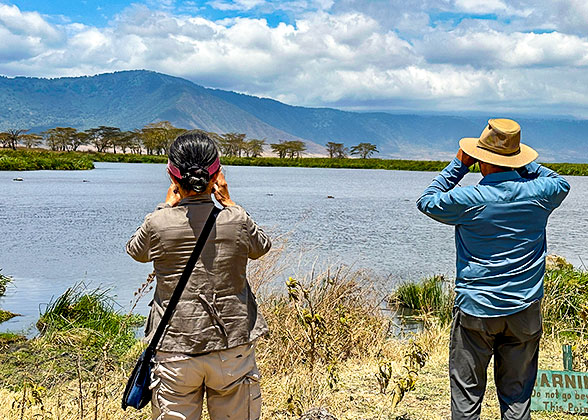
61, 228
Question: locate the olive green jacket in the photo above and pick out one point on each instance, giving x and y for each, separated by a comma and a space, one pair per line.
217, 309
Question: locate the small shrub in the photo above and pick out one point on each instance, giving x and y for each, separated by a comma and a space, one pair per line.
325, 319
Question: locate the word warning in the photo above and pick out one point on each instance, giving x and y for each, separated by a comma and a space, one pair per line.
563, 391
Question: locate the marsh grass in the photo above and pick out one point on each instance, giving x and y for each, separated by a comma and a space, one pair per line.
565, 304
5, 315
432, 296
4, 280
89, 317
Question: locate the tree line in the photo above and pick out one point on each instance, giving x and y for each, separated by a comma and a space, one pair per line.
339, 151
155, 139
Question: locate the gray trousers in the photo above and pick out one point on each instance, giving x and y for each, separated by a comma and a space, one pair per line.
514, 342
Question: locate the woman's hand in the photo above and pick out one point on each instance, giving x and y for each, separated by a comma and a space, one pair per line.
173, 196
221, 191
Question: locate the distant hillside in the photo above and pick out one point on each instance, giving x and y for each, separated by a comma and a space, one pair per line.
132, 99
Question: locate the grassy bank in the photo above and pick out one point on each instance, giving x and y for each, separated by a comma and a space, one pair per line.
388, 164
329, 347
30, 160
22, 160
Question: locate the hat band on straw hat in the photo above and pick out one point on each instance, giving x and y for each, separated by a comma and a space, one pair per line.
516, 152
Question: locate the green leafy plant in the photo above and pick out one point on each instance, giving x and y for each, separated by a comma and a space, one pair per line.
414, 359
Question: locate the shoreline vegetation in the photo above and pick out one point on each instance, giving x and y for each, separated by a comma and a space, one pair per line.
39, 159
330, 346
4, 315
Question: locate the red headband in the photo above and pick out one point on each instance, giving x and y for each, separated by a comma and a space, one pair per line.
176, 172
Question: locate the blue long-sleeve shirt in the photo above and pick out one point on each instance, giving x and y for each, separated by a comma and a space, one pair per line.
499, 233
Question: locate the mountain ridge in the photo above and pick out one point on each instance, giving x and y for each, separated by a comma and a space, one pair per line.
130, 99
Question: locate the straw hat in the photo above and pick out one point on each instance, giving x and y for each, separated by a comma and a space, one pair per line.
499, 144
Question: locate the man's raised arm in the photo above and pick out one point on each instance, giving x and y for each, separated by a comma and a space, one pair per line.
439, 201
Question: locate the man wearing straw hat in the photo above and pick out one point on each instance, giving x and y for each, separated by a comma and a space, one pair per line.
501, 246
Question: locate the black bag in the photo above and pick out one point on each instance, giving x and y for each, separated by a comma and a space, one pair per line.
137, 391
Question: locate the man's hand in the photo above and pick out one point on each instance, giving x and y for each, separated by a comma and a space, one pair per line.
173, 196
221, 191
466, 159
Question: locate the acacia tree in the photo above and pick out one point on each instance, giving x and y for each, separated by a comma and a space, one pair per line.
126, 140
280, 149
61, 138
337, 150
254, 147
158, 136
292, 149
232, 144
52, 139
295, 148
103, 136
80, 138
31, 140
11, 138
136, 141
364, 150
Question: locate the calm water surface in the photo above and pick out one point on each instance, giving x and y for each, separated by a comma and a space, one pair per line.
57, 230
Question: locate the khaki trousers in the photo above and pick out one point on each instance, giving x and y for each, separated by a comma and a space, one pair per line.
229, 378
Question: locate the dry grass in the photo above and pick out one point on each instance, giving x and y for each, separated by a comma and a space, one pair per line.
328, 347
356, 396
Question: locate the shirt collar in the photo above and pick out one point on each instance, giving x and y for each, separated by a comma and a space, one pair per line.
498, 177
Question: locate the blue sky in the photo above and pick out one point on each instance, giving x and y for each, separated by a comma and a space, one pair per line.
100, 13
490, 56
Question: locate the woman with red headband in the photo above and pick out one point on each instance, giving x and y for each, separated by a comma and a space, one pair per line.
208, 347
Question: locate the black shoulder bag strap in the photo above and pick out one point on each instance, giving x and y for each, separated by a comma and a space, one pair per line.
175, 298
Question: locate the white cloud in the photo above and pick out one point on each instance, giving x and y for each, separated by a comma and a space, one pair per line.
570, 15
29, 24
332, 54
236, 4
269, 6
493, 49
480, 6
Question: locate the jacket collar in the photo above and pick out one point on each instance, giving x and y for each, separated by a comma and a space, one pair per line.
499, 177
196, 199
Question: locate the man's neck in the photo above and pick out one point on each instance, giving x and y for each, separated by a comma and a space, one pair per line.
488, 168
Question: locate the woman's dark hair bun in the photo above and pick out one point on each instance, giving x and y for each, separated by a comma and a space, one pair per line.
199, 180
192, 153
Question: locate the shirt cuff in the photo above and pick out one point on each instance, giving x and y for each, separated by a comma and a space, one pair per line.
460, 167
